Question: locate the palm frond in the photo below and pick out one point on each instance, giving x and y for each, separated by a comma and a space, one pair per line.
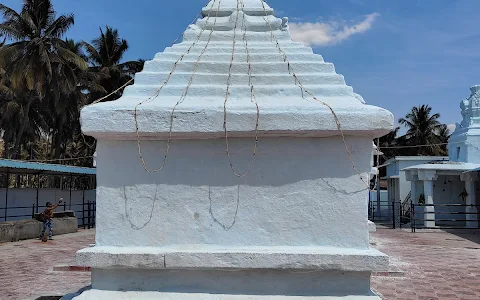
60, 26
6, 92
72, 58
120, 48
28, 25
12, 109
41, 11
11, 32
92, 52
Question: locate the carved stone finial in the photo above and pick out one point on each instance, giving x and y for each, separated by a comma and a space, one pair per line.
475, 89
284, 23
471, 108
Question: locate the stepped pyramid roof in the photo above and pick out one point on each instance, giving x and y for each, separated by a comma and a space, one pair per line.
236, 55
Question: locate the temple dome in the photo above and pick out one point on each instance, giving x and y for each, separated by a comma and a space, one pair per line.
198, 72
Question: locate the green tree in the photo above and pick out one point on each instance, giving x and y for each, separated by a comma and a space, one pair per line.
64, 112
36, 59
443, 135
105, 55
423, 129
388, 143
11, 116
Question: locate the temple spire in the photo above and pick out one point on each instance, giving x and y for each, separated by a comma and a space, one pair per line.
227, 7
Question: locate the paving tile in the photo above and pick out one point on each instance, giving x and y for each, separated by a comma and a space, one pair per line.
26, 267
446, 295
436, 265
465, 292
465, 297
430, 266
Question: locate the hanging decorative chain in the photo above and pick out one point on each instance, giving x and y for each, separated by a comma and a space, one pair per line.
155, 95
253, 97
133, 78
302, 87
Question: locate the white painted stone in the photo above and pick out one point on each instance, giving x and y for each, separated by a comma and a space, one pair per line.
413, 189
211, 257
206, 120
302, 200
235, 283
107, 295
294, 227
225, 7
371, 226
429, 215
284, 109
464, 143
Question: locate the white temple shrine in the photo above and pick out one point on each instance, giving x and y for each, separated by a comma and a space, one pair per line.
452, 182
191, 206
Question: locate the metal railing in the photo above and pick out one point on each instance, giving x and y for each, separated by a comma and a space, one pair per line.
443, 213
86, 212
406, 205
388, 213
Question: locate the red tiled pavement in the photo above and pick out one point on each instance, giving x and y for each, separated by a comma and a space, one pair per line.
433, 265
26, 267
436, 264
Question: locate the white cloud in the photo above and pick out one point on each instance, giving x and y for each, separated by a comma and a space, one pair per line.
329, 33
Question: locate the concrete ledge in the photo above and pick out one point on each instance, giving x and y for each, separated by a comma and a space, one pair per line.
106, 295
60, 214
13, 231
201, 257
65, 268
114, 120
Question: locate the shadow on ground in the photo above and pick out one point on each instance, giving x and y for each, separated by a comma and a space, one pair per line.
471, 235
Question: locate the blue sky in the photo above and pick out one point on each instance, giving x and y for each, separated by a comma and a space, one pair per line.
395, 53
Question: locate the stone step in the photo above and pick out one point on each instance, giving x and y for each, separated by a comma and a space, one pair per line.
175, 257
155, 78
267, 43
227, 48
75, 268
226, 36
239, 91
242, 21
210, 55
116, 295
240, 68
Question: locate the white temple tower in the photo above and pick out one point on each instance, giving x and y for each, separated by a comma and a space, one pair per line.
464, 143
294, 227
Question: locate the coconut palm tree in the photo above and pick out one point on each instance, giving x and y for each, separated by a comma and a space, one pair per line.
65, 108
62, 112
387, 142
36, 56
443, 135
12, 116
423, 129
105, 55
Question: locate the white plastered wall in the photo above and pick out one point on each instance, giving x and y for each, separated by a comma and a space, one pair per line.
301, 192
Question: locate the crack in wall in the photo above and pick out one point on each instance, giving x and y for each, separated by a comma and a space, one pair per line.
341, 191
225, 227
